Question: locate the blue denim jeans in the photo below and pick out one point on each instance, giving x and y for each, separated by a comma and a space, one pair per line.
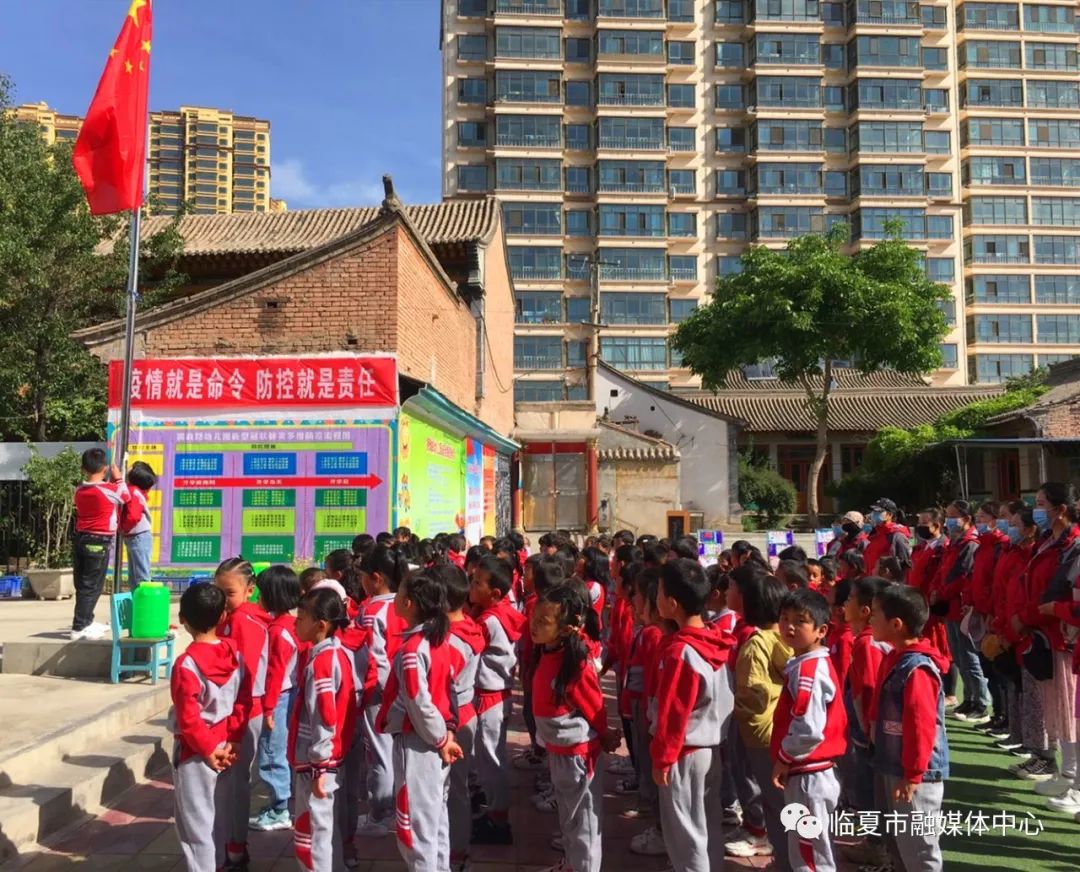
138, 549
272, 754
966, 659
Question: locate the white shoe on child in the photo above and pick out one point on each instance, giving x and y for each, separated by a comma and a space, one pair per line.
649, 843
746, 844
1068, 802
1056, 786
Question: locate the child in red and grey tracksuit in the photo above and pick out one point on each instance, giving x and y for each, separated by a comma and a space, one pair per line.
136, 524
207, 719
246, 624
321, 728
419, 711
466, 642
571, 722
691, 722
809, 727
502, 626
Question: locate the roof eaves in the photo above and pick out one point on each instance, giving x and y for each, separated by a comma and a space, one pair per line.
670, 396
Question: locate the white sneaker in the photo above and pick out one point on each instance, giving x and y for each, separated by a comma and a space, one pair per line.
1068, 802
97, 631
650, 843
1056, 786
749, 845
370, 829
76, 635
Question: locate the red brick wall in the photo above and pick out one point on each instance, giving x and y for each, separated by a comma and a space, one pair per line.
1063, 420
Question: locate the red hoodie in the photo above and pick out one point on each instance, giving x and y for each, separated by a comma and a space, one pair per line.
694, 710
920, 707
1009, 593
502, 626
281, 664
954, 572
866, 657
980, 593
466, 641
1050, 553
841, 644
208, 696
620, 635
883, 543
248, 627
925, 560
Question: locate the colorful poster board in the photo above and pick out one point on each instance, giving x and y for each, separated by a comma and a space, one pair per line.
474, 490
822, 538
431, 478
710, 544
491, 522
777, 541
273, 484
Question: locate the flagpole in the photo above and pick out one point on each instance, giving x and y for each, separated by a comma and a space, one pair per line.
121, 441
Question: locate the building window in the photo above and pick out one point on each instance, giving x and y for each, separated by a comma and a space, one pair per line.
990, 54
632, 133
997, 249
1057, 249
786, 178
577, 137
730, 139
729, 12
1058, 290
783, 222
992, 289
681, 138
884, 51
786, 136
538, 307
472, 134
527, 86
533, 219
1048, 19
1053, 133
537, 391
532, 263
518, 174
578, 222
631, 89
578, 180
631, 8
993, 171
472, 47
633, 308
933, 17
996, 368
680, 96
1056, 171
937, 141
634, 352
1059, 329
895, 137
578, 94
538, 352
785, 10
682, 182
682, 267
472, 91
682, 224
941, 269
730, 55
577, 310
632, 264
631, 220
538, 131
996, 210
1000, 328
577, 353
935, 58
681, 53
729, 265
631, 42
472, 8
791, 49
797, 91
949, 358
472, 178
1050, 56
681, 310
631, 176
541, 43
989, 16
730, 183
680, 10
1052, 94
993, 92
578, 50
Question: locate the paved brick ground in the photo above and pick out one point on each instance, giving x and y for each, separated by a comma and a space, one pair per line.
138, 834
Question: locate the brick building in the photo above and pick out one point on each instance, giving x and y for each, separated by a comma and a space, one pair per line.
428, 283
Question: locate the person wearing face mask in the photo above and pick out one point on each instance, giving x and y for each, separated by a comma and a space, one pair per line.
946, 600
848, 535
925, 560
1027, 735
889, 538
1048, 579
979, 597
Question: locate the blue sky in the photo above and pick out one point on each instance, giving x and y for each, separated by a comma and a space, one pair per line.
351, 87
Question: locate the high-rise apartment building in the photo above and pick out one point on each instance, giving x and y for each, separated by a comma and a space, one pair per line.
640, 145
212, 159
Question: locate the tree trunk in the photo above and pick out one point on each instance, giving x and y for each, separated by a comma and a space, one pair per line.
820, 407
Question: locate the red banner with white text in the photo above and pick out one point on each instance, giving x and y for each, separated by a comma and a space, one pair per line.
210, 384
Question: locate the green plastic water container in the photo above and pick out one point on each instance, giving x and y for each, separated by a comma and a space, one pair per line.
150, 610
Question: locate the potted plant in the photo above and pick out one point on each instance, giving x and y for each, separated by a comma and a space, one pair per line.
52, 482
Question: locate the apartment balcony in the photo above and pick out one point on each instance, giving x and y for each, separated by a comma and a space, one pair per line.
632, 232
626, 274
888, 19
537, 273
682, 190
522, 185
630, 9
656, 100
631, 188
550, 8
631, 143
522, 98
682, 147
684, 275
537, 362
528, 142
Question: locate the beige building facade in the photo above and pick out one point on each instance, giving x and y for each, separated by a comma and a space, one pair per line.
640, 145
212, 159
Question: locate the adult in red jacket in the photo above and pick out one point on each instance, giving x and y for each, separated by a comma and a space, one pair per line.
926, 558
887, 539
1049, 578
978, 596
946, 600
848, 535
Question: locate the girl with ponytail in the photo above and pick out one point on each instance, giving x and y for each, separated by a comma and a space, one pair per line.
571, 720
419, 713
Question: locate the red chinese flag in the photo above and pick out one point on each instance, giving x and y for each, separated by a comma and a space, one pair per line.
110, 153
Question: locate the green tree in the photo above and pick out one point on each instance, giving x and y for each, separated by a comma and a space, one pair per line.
812, 304
766, 491
52, 481
60, 269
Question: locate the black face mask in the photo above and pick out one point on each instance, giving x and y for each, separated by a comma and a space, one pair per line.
923, 532
851, 529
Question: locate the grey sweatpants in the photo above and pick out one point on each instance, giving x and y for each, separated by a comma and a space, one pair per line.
746, 786
691, 812
759, 763
238, 778
819, 792
643, 757
379, 761
421, 785
492, 766
911, 853
579, 797
198, 791
460, 803
315, 838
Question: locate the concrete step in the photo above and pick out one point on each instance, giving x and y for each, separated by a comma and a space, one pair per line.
66, 791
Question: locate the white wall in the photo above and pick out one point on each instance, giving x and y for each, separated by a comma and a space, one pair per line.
708, 456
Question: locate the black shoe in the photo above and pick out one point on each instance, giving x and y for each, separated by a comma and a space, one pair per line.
238, 865
992, 724
478, 800
1000, 731
487, 831
961, 711
976, 717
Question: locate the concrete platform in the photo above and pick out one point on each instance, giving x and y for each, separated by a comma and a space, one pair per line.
70, 748
33, 636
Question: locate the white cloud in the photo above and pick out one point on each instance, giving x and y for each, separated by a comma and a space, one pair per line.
290, 182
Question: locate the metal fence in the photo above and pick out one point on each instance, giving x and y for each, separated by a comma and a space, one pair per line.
21, 525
